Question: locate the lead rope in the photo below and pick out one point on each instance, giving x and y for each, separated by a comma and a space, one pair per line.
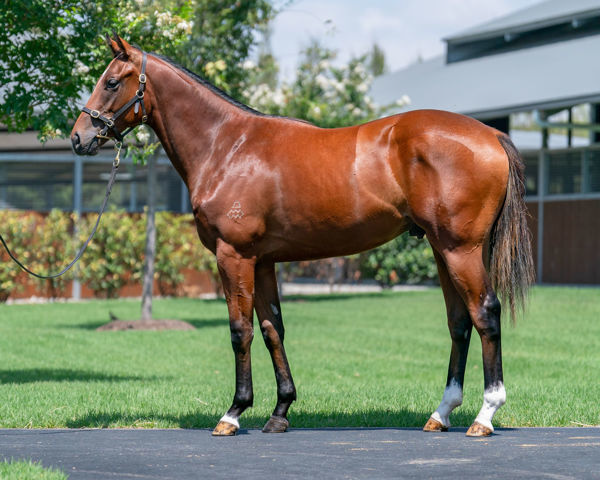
111, 181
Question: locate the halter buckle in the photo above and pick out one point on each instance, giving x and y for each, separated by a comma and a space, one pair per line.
94, 113
144, 118
139, 94
109, 123
142, 78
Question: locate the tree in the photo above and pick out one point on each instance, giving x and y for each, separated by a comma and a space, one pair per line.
322, 93
223, 34
49, 58
376, 61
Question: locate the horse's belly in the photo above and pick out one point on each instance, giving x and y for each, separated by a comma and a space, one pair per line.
330, 238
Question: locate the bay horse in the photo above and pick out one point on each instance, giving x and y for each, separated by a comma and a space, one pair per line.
267, 189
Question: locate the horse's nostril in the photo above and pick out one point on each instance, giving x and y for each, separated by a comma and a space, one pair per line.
75, 140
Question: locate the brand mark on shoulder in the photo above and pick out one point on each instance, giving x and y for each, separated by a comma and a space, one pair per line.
236, 211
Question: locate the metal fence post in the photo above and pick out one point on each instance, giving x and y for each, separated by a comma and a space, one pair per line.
77, 209
542, 182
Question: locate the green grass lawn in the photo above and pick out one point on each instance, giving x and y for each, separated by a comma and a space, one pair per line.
28, 470
358, 360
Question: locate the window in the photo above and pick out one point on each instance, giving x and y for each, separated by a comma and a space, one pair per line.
564, 172
531, 174
593, 172
36, 185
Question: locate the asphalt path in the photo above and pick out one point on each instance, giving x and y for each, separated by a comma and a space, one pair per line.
362, 453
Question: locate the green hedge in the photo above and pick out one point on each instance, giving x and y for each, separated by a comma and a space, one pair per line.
115, 256
113, 259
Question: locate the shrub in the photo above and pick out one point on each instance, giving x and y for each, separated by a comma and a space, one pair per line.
52, 251
114, 257
18, 231
177, 248
405, 259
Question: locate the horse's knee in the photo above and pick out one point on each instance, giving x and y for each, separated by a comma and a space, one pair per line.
242, 334
488, 321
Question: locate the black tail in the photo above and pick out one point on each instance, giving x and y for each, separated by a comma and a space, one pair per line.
511, 263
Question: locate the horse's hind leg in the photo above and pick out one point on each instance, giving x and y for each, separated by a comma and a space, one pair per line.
460, 326
469, 276
268, 311
237, 274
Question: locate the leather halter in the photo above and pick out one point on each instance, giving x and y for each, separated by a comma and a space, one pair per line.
137, 100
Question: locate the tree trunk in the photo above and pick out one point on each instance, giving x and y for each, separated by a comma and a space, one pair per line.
150, 250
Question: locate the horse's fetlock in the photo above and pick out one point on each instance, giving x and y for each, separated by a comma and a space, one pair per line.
243, 399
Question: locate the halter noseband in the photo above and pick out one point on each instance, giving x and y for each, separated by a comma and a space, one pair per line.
138, 99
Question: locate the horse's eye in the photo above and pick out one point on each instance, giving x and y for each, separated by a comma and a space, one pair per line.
112, 83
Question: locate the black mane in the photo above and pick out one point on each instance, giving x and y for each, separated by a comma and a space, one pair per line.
211, 87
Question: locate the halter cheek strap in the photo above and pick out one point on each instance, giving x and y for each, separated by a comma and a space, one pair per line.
137, 100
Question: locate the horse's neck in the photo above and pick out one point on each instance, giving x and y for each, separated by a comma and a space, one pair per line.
188, 119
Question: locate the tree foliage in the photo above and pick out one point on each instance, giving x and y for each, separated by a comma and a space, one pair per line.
322, 93
49, 57
52, 53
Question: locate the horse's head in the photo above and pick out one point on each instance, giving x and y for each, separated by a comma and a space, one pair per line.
119, 100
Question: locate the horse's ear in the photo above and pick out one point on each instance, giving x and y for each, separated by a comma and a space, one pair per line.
111, 44
119, 47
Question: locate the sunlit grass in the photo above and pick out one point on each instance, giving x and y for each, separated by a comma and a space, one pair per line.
358, 360
28, 470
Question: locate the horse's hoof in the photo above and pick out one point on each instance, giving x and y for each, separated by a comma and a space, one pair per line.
276, 425
224, 429
479, 430
433, 425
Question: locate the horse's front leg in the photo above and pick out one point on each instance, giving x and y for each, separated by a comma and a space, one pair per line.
268, 311
237, 275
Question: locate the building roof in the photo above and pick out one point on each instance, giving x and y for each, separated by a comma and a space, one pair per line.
548, 76
537, 16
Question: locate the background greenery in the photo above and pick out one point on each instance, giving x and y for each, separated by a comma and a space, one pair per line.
113, 259
358, 360
116, 255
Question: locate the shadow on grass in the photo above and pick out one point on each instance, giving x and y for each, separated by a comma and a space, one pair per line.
333, 296
31, 375
372, 419
198, 323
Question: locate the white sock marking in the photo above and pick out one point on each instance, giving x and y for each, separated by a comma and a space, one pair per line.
452, 398
493, 398
230, 419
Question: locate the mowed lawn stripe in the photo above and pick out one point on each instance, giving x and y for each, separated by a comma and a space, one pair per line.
358, 361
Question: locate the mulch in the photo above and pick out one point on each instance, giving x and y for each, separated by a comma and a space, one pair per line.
158, 324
